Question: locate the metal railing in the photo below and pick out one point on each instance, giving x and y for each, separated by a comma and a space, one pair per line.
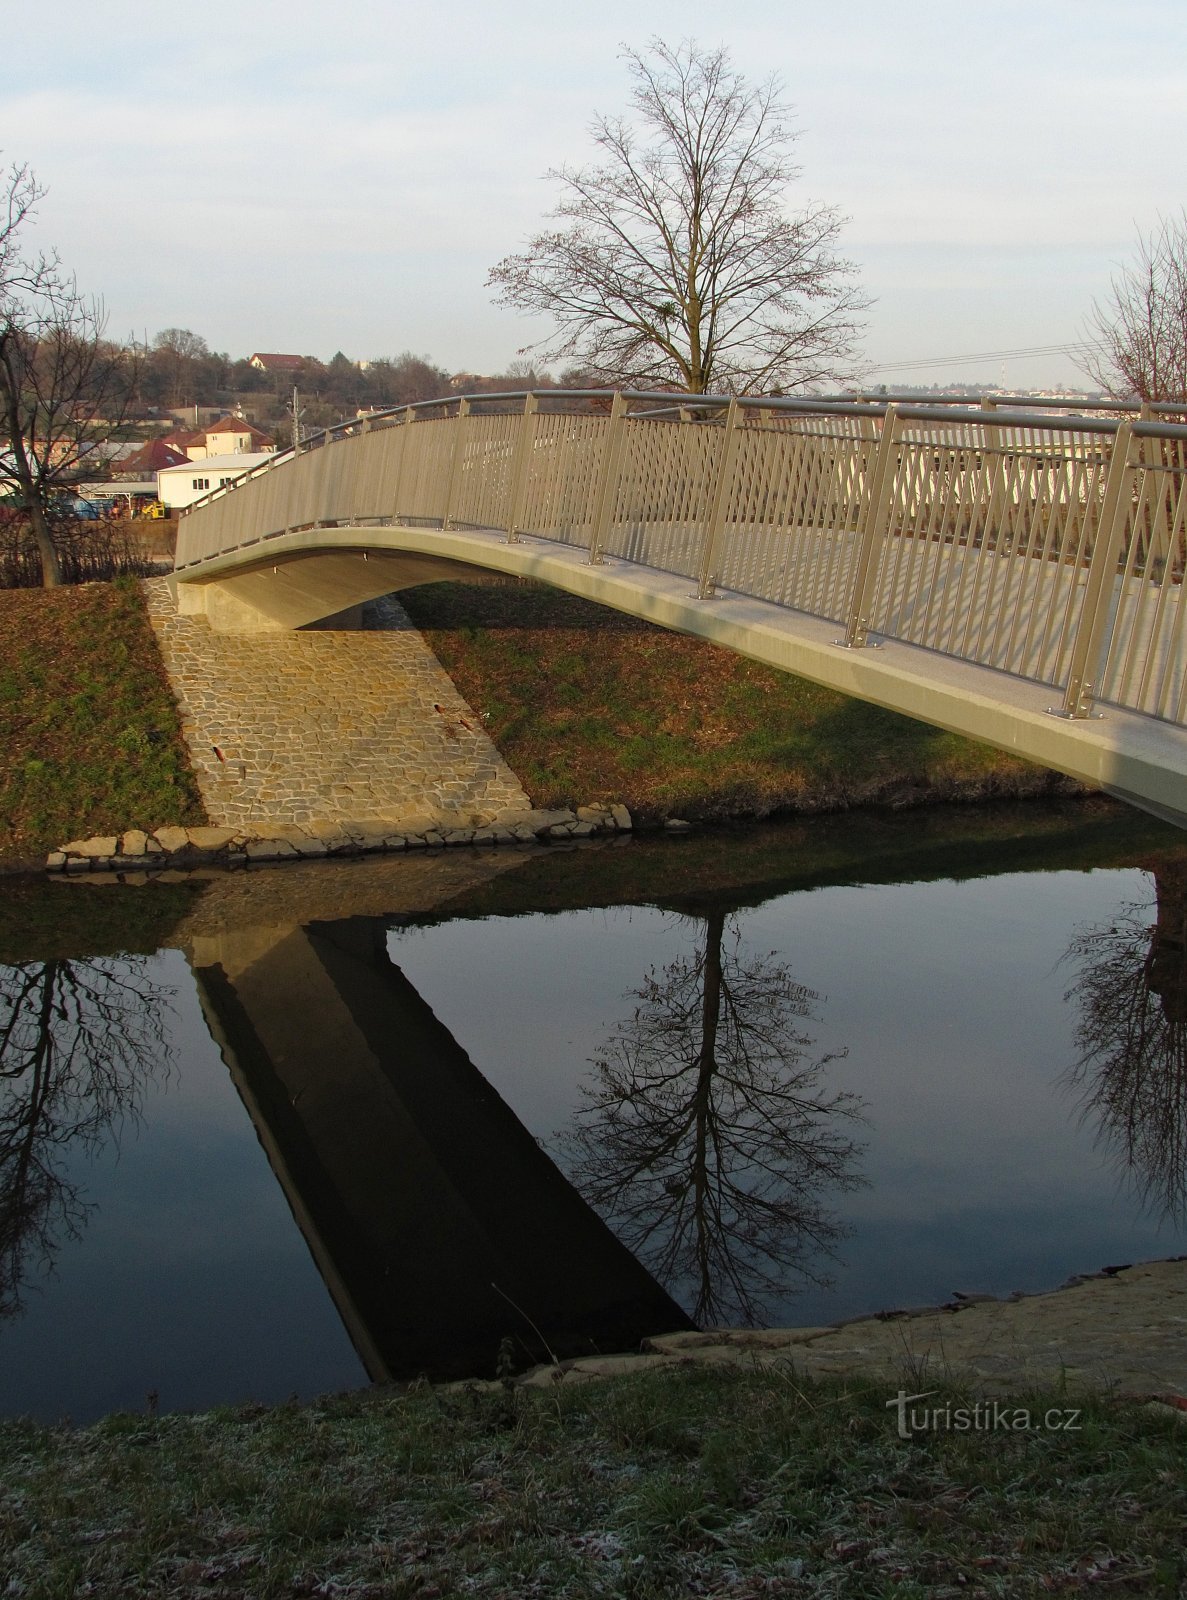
1050, 547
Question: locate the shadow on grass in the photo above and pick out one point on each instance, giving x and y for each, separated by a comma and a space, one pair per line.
519, 604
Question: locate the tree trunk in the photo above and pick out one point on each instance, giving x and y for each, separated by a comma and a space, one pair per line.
14, 438
51, 566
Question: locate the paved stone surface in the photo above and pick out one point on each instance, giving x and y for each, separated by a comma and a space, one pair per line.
319, 726
1124, 1331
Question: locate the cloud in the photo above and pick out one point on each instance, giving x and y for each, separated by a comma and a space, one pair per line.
349, 183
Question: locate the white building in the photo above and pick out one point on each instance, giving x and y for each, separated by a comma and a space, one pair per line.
230, 436
178, 487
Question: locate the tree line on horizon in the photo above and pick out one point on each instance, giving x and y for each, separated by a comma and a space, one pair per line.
178, 370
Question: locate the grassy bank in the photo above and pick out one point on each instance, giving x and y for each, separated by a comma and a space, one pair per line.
690, 1481
588, 705
89, 734
585, 705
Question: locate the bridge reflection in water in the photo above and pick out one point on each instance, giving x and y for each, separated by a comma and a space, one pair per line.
707, 1136
438, 1223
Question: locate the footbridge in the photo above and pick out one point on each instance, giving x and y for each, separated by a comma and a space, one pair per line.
1008, 572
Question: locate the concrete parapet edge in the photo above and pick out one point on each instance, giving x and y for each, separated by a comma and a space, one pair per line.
137, 851
1136, 757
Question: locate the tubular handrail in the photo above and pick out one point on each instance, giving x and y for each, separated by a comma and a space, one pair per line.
1006, 412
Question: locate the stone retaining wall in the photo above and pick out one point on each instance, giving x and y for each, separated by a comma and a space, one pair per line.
136, 851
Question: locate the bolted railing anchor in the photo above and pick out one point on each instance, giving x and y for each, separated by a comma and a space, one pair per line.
1078, 705
859, 639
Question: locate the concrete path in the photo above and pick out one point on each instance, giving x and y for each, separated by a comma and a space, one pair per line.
320, 726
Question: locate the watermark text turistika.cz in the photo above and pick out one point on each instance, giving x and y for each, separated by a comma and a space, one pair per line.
982, 1416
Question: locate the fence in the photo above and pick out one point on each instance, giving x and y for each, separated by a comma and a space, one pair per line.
1052, 547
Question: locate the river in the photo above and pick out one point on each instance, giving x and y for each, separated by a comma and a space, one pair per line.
288, 1130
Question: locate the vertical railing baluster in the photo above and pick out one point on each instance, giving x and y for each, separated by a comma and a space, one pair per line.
719, 504
521, 467
1088, 646
405, 445
603, 500
455, 463
874, 529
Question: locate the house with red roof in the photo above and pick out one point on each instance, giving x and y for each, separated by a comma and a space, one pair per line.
151, 457
232, 435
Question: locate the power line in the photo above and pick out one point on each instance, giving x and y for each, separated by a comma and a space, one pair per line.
1081, 348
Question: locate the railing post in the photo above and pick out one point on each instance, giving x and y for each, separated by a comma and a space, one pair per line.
874, 529
402, 464
455, 464
603, 501
520, 467
715, 529
1088, 644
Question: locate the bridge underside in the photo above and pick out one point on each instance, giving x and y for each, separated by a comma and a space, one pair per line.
313, 573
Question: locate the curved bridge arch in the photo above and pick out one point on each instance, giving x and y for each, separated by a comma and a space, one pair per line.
1011, 563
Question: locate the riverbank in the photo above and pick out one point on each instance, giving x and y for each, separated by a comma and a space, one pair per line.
587, 708
589, 705
90, 740
689, 1479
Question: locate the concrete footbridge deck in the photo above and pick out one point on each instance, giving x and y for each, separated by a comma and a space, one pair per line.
1007, 574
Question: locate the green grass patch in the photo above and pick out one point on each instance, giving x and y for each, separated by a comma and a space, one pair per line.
589, 705
685, 1481
89, 735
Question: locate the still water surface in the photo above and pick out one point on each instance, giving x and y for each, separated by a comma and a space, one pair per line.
376, 1132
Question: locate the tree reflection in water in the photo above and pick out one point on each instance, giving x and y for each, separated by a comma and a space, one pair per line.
708, 1141
78, 1039
1132, 1038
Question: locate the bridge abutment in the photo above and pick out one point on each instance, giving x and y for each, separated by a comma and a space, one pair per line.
327, 725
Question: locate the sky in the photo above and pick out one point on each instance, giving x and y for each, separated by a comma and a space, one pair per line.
307, 177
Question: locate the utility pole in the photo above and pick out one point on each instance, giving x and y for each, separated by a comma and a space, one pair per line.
294, 410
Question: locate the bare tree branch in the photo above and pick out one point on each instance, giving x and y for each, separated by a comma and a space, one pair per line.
1137, 336
707, 1138
677, 263
78, 1040
63, 386
1131, 1074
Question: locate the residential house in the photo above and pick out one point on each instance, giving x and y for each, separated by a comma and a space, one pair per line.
276, 365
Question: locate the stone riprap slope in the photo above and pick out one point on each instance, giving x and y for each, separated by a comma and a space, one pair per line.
317, 727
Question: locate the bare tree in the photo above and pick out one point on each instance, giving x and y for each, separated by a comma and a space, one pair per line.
63, 386
677, 262
707, 1138
78, 1040
1131, 1073
181, 368
1137, 336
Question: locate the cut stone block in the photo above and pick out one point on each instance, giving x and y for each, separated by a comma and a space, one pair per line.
101, 845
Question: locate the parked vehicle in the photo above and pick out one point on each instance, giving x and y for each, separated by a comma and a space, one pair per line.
83, 510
